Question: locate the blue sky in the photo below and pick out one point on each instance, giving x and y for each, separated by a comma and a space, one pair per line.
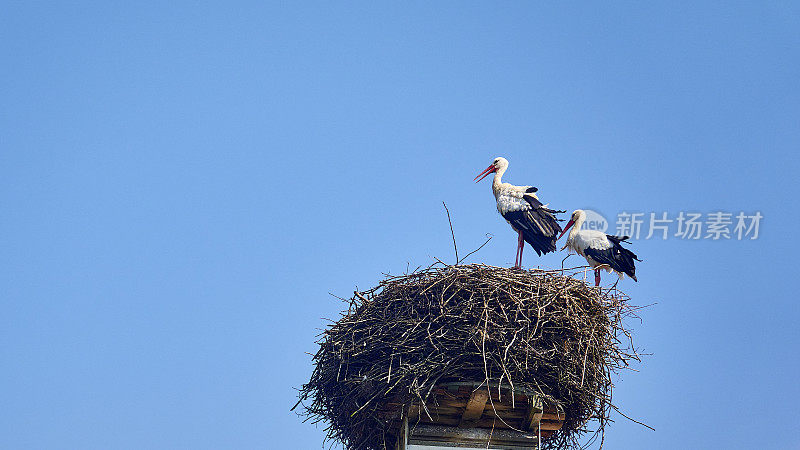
183, 184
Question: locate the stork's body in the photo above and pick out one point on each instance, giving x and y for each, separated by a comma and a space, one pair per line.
600, 250
519, 205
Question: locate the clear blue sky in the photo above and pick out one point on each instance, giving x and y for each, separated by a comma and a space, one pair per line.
182, 185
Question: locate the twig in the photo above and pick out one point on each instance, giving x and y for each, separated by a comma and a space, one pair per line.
632, 420
455, 248
488, 238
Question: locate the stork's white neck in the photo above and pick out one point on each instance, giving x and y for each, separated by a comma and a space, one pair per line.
498, 178
576, 227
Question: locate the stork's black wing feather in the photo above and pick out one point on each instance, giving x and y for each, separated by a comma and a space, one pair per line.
536, 204
617, 257
538, 225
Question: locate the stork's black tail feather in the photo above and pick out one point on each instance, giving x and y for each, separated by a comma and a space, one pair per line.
538, 226
620, 259
545, 241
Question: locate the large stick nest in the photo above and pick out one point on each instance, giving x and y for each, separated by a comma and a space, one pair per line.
533, 330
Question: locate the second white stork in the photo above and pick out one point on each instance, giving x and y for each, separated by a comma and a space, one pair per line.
602, 251
519, 205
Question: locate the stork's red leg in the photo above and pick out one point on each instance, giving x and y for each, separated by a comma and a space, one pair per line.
597, 277
520, 247
516, 257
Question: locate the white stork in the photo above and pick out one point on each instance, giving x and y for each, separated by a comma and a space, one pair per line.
519, 205
599, 249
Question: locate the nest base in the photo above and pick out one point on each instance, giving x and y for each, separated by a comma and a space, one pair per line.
414, 347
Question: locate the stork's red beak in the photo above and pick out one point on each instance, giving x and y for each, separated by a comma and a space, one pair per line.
569, 224
485, 173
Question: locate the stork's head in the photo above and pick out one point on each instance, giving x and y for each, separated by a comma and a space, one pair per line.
578, 215
498, 164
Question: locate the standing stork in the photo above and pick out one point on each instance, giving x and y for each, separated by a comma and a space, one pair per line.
599, 249
519, 205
